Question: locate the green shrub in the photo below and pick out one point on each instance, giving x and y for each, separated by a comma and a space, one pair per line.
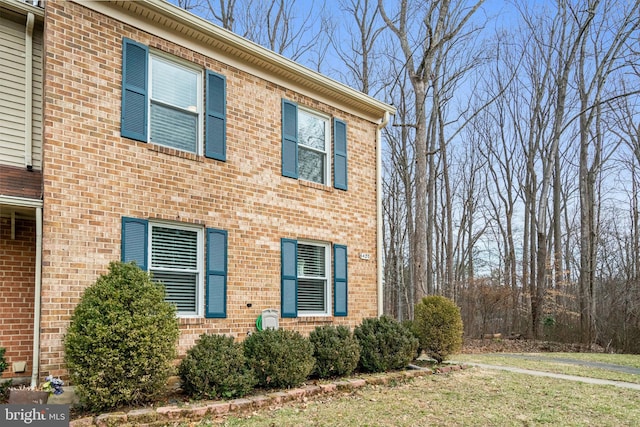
336, 351
385, 345
121, 342
4, 385
438, 325
215, 367
279, 358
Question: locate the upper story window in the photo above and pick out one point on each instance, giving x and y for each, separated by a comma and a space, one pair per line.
163, 102
175, 105
307, 149
313, 147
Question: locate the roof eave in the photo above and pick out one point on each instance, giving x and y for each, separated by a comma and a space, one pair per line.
183, 21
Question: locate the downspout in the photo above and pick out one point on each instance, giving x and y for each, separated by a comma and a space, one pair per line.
28, 93
36, 301
383, 123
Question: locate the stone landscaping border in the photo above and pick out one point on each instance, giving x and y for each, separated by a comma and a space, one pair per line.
194, 412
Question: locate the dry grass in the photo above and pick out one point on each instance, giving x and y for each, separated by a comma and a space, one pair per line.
473, 397
545, 364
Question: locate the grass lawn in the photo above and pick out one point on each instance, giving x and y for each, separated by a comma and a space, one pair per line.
473, 397
560, 367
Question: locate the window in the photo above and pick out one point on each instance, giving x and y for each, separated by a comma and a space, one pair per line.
162, 102
174, 105
176, 263
306, 279
306, 146
313, 145
174, 254
313, 277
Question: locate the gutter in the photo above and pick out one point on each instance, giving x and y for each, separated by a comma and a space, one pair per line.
28, 95
383, 122
36, 303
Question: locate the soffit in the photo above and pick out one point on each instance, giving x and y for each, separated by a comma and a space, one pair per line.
173, 19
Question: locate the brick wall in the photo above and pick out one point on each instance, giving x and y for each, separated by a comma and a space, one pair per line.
17, 284
93, 177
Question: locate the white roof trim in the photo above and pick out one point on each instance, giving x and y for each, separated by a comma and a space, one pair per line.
168, 17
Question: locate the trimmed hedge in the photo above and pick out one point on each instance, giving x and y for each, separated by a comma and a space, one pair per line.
336, 351
279, 358
121, 343
385, 345
216, 367
438, 325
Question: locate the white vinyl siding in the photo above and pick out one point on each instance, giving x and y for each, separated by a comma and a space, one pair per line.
12, 88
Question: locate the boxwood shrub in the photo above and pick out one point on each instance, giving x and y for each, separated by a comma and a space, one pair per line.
121, 342
385, 345
336, 351
438, 325
215, 367
4, 385
280, 358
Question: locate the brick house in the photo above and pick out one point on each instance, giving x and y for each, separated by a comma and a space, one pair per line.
240, 179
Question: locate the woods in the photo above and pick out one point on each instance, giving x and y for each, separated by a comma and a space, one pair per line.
512, 167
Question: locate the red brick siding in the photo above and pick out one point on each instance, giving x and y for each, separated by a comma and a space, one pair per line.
17, 285
20, 182
93, 177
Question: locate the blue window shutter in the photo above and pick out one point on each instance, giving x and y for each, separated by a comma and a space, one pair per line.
135, 58
216, 117
289, 139
340, 289
135, 241
216, 305
289, 278
339, 154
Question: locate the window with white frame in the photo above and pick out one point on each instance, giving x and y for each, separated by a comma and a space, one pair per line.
176, 262
174, 104
314, 269
313, 146
163, 102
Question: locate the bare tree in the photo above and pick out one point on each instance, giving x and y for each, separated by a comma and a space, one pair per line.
358, 52
598, 57
437, 27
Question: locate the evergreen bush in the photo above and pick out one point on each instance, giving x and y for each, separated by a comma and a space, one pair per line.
336, 351
121, 342
438, 325
4, 385
280, 358
385, 345
215, 367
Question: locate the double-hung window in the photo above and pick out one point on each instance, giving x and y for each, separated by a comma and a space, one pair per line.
176, 262
313, 146
175, 105
189, 261
163, 102
307, 286
313, 266
306, 146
